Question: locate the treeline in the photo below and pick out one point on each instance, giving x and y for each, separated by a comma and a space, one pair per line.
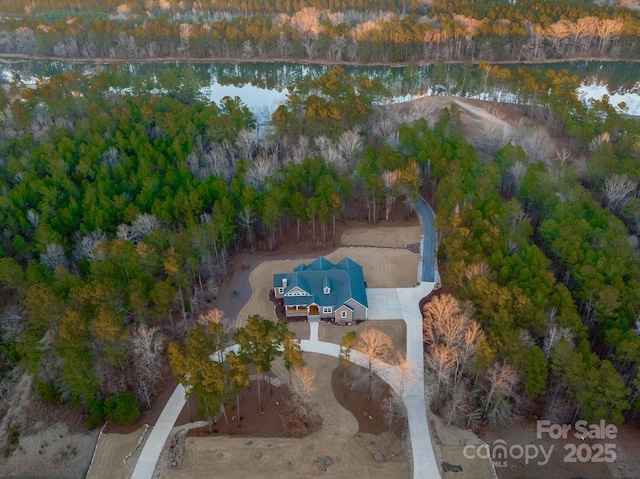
378, 32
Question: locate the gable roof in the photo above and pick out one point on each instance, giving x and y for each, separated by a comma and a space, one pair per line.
345, 280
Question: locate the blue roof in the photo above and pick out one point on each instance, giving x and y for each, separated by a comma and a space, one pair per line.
344, 279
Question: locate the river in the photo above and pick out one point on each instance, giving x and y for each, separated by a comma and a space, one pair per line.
263, 86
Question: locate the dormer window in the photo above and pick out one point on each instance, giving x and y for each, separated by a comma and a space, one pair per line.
327, 290
326, 285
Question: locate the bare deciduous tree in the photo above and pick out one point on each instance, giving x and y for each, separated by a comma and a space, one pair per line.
111, 157
301, 151
123, 232
33, 218
390, 179
246, 218
441, 362
221, 329
377, 346
477, 269
406, 373
517, 172
601, 139
86, 244
54, 256
500, 386
147, 346
300, 409
619, 190
246, 143
452, 337
350, 143
302, 383
142, 226
393, 409
443, 321
526, 339
307, 20
264, 167
555, 333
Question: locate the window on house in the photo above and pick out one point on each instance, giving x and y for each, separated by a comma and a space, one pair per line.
327, 290
327, 309
280, 290
343, 314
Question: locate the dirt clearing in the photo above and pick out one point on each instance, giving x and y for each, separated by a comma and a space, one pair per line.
332, 450
111, 451
390, 237
382, 267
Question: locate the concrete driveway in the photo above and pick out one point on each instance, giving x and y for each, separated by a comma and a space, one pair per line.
383, 303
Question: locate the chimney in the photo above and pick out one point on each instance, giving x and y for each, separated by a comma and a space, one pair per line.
284, 282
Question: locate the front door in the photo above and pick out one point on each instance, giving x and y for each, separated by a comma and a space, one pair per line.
313, 310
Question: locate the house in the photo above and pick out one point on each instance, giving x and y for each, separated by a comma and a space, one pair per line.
323, 290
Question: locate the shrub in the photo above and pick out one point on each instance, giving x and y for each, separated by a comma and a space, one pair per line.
121, 408
96, 415
47, 392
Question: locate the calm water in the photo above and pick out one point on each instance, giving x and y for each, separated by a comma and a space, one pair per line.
263, 86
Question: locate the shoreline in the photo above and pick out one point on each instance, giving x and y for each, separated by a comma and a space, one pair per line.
10, 58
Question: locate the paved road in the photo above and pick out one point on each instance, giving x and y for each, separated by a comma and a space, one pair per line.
428, 246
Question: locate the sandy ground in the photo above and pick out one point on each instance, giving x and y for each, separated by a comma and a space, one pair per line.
625, 446
291, 458
51, 450
486, 125
111, 451
52, 441
396, 329
395, 237
382, 267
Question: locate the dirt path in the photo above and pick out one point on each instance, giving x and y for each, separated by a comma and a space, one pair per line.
291, 458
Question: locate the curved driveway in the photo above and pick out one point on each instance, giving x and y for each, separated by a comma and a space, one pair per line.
384, 303
409, 384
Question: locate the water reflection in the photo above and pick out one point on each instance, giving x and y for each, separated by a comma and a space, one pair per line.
262, 86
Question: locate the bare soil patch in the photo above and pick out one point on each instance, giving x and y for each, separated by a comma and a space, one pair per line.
524, 433
251, 421
382, 267
40, 437
334, 449
111, 451
382, 236
487, 126
371, 415
396, 329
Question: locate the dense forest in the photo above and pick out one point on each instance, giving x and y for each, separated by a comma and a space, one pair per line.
123, 198
383, 31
